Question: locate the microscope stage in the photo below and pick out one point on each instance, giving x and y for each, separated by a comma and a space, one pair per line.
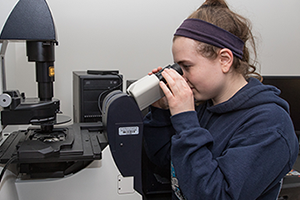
62, 147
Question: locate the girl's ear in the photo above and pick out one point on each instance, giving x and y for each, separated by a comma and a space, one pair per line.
226, 59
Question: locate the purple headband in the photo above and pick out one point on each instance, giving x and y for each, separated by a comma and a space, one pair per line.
203, 31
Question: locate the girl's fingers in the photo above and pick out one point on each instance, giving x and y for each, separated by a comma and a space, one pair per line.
155, 70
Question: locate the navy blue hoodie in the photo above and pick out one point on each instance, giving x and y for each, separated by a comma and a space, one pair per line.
239, 149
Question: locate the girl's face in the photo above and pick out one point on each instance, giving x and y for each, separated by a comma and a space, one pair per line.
204, 76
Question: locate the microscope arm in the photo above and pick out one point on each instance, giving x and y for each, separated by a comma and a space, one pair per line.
123, 124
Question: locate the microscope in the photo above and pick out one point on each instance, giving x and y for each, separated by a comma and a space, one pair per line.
50, 154
35, 148
49, 149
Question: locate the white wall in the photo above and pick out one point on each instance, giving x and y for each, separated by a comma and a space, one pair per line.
136, 36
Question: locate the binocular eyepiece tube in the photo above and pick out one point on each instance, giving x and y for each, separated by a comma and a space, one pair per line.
146, 90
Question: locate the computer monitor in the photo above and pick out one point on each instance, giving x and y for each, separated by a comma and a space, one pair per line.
290, 91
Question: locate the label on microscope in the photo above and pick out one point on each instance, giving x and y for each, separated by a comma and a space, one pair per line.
132, 130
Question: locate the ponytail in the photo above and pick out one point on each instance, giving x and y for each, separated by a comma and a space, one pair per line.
215, 3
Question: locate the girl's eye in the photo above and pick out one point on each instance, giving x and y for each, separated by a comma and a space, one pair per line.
185, 67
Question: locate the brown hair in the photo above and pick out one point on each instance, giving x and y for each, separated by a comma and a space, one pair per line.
217, 12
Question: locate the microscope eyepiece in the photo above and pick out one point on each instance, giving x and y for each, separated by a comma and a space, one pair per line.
175, 66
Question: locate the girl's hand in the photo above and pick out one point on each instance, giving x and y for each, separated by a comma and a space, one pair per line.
161, 103
155, 70
179, 95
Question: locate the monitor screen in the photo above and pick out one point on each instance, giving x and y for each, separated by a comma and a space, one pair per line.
290, 91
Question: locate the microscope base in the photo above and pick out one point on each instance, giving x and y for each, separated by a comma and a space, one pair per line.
99, 180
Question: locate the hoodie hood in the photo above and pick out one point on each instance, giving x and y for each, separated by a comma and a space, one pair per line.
253, 94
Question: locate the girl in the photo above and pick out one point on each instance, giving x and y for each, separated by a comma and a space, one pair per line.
222, 132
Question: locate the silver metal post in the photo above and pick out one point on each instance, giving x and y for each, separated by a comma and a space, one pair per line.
3, 46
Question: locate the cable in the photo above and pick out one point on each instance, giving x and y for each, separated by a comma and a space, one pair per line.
107, 91
12, 159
